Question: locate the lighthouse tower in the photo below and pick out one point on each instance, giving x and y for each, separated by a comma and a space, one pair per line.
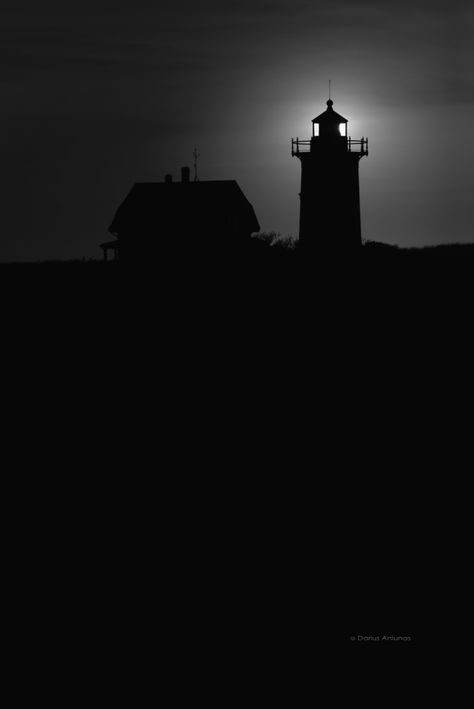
330, 205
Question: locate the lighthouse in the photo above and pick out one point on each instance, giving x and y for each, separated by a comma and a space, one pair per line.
329, 197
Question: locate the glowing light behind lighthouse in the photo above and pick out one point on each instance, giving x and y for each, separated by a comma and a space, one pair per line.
117, 97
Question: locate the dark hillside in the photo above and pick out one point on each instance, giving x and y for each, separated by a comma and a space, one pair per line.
260, 273
227, 385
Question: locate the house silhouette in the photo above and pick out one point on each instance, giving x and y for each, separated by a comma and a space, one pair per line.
183, 219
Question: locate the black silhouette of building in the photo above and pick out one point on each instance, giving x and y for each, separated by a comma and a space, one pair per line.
329, 197
182, 218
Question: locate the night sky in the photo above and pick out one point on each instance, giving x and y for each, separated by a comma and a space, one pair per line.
99, 95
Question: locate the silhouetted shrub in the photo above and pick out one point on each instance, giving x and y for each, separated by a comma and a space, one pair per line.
276, 239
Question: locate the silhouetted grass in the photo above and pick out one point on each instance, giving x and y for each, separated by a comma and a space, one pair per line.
53, 264
268, 244
441, 251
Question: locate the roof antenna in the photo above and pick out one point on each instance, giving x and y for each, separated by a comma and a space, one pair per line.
196, 155
329, 89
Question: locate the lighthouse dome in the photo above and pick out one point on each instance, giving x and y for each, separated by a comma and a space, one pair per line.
329, 115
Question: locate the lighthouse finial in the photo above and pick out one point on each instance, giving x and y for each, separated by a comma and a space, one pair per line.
329, 89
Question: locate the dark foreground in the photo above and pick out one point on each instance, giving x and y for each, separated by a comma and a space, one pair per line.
261, 282
274, 446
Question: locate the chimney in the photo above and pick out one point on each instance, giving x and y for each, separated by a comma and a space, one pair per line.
168, 179
185, 174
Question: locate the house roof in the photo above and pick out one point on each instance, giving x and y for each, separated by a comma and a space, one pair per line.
153, 205
329, 115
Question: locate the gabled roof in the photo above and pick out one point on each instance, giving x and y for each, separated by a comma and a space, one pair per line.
329, 115
153, 204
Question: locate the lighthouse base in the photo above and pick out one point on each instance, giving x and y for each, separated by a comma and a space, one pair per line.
330, 204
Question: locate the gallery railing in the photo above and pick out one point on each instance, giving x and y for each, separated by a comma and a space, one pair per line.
353, 146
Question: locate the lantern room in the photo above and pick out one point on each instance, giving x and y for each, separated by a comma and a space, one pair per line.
329, 124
